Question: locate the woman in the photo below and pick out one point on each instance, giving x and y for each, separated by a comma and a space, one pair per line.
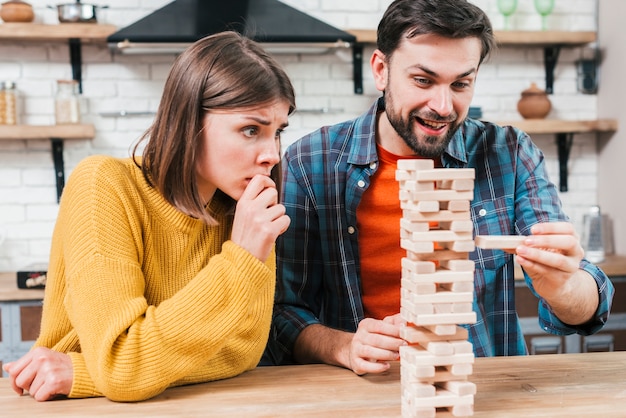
162, 268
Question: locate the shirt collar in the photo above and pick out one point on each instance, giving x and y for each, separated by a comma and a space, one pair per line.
363, 149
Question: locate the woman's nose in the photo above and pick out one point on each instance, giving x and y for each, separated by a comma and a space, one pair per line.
270, 153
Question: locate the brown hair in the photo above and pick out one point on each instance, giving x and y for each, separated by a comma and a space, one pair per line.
454, 19
221, 71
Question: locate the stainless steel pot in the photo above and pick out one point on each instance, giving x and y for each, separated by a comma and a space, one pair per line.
77, 12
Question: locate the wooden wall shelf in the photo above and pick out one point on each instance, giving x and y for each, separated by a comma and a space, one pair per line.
87, 32
73, 131
511, 38
72, 33
564, 131
57, 134
550, 41
559, 126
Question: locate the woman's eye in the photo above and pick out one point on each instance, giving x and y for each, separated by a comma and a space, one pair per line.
250, 131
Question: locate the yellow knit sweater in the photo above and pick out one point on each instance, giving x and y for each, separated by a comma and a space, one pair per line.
143, 297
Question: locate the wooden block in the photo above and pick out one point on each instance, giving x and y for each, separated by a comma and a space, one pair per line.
440, 195
461, 246
413, 164
442, 329
443, 296
444, 399
414, 226
441, 374
442, 276
440, 308
420, 390
420, 267
455, 205
504, 242
462, 346
441, 236
458, 226
458, 265
422, 206
458, 307
426, 373
441, 216
460, 369
413, 334
458, 286
435, 174
439, 348
438, 255
456, 184
419, 288
403, 175
459, 387
460, 411
445, 319
412, 185
417, 247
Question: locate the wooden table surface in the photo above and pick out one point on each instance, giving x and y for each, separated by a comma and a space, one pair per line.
550, 386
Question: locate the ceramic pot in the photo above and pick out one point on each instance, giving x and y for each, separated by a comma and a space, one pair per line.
534, 103
17, 11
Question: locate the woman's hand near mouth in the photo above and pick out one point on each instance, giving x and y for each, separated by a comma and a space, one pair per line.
259, 218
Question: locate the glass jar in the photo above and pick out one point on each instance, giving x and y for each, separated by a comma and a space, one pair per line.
8, 103
3, 104
67, 102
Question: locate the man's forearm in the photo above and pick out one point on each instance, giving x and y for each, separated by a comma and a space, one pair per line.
320, 344
579, 302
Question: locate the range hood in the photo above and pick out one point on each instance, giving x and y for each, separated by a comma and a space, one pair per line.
175, 26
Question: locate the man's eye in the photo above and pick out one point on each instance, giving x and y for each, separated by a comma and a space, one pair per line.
250, 131
422, 81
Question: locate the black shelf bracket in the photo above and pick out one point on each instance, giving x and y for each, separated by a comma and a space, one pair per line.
357, 67
59, 167
564, 145
76, 61
550, 58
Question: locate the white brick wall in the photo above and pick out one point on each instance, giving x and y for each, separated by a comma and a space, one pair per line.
133, 83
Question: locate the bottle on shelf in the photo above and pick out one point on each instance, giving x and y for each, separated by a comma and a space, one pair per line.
67, 102
8, 103
593, 235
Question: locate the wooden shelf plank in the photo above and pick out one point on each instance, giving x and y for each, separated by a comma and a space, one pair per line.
511, 38
543, 38
87, 32
77, 131
557, 126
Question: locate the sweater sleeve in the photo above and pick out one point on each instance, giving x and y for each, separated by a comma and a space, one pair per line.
213, 327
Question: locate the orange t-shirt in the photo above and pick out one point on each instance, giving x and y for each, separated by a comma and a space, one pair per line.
378, 221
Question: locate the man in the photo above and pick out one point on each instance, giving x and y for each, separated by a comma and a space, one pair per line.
337, 298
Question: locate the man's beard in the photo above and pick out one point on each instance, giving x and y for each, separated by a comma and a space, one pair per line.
430, 146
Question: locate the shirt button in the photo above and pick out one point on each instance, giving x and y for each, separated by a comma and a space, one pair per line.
361, 183
373, 166
482, 212
351, 230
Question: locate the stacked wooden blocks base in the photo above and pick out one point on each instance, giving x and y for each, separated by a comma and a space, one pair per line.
437, 289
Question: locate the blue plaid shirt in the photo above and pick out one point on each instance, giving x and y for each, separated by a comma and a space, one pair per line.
324, 177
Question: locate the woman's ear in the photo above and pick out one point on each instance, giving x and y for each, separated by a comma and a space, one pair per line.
378, 62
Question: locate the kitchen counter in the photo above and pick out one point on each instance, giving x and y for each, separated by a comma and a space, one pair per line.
554, 386
10, 292
613, 266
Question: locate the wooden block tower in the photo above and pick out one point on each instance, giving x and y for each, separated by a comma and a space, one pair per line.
437, 290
